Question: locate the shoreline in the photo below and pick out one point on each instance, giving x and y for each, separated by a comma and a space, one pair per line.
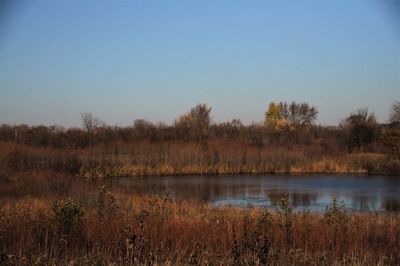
152, 173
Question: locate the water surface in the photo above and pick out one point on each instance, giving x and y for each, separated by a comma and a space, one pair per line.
314, 193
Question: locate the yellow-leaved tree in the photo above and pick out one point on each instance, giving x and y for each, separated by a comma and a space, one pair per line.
274, 118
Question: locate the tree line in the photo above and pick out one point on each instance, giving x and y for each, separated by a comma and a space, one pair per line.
285, 124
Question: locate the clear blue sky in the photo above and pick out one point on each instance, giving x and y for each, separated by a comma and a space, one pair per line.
124, 60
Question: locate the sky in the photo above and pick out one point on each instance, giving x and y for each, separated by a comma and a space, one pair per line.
126, 60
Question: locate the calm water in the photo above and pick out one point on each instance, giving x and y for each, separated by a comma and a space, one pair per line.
314, 193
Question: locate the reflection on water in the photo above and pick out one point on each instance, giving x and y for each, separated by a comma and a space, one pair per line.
392, 205
314, 193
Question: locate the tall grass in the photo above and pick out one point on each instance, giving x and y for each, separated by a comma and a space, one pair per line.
185, 158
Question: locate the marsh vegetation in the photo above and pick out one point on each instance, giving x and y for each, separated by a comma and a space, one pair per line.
63, 221
288, 142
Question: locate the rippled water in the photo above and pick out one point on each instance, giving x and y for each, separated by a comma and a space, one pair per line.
314, 193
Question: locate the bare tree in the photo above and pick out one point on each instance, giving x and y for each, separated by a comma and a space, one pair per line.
196, 122
360, 128
256, 134
145, 129
299, 114
89, 122
395, 113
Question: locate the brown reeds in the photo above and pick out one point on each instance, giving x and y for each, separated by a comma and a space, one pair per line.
186, 158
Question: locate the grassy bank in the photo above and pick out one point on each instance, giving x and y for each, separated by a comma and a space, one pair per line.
58, 220
186, 158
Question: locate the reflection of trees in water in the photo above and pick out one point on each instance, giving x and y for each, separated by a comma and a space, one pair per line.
303, 199
364, 203
296, 199
187, 191
210, 189
275, 197
368, 203
205, 191
390, 204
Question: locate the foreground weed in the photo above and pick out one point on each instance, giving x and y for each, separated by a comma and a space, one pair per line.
287, 220
261, 238
235, 248
336, 213
105, 202
67, 215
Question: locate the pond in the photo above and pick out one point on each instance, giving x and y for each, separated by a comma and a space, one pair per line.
312, 192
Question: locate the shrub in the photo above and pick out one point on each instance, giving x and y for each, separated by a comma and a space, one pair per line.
67, 215
336, 212
287, 219
105, 202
